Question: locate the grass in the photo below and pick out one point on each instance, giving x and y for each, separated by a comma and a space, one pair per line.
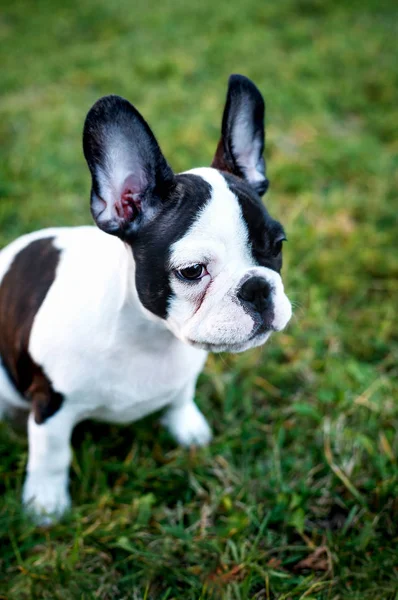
297, 496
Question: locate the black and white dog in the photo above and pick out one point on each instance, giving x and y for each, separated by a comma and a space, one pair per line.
114, 327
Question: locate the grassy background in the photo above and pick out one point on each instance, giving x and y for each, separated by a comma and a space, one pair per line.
297, 496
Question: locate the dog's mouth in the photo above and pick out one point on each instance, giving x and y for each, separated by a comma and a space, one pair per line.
259, 338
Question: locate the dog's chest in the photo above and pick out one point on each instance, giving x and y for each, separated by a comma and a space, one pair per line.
143, 381
117, 377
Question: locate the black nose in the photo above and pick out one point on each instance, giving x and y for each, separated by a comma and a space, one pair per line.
256, 292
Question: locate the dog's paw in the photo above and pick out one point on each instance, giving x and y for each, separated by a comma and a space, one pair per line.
46, 499
187, 425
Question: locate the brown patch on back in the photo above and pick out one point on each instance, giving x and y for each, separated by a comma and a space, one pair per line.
22, 292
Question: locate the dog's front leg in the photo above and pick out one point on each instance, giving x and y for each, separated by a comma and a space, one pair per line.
184, 420
45, 493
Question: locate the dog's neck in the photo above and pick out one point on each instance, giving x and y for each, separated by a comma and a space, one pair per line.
132, 316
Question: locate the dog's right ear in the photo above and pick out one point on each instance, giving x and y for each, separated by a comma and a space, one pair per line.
130, 176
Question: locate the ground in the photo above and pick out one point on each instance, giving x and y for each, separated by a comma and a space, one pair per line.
297, 495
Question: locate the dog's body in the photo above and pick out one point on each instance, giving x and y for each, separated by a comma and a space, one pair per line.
114, 327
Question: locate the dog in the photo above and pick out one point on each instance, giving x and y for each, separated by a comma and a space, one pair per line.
114, 322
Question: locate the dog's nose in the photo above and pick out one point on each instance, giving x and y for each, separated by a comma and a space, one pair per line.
256, 292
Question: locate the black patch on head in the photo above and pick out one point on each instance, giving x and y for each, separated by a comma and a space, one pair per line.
263, 229
22, 292
151, 247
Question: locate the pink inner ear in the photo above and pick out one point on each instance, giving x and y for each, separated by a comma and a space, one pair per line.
130, 202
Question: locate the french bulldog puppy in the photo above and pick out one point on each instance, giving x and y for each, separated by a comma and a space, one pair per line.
115, 322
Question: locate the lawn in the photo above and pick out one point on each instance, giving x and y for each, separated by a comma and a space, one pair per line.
297, 495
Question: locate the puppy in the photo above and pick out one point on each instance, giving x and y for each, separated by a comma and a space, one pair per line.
115, 322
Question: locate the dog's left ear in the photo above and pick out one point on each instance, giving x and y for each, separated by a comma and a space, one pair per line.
131, 179
240, 149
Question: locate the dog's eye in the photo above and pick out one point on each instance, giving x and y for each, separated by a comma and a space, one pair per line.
192, 273
277, 246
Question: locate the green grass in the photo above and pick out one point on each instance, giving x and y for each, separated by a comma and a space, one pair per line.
297, 495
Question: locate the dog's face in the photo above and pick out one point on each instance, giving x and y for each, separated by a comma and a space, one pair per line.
227, 293
207, 253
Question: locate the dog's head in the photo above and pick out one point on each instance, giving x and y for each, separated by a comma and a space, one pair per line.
207, 253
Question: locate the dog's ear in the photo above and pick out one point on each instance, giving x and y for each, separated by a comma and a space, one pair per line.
130, 176
240, 149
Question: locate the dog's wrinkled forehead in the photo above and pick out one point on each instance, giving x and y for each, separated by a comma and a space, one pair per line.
210, 213
218, 230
